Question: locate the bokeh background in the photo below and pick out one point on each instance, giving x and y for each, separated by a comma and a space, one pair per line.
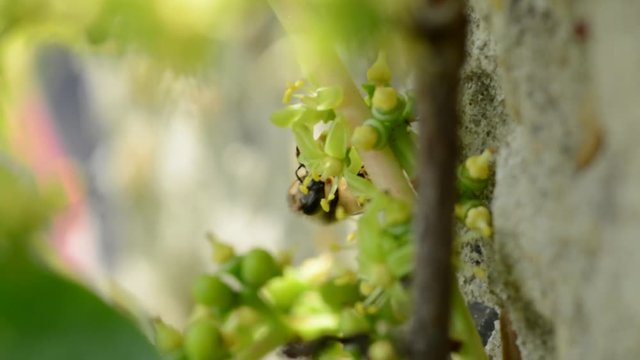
153, 117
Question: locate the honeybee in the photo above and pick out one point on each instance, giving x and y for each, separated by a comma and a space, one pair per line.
308, 199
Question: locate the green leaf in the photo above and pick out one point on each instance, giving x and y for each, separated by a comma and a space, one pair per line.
308, 146
337, 141
328, 97
287, 116
44, 316
360, 186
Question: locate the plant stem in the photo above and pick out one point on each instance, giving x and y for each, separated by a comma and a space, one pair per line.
442, 28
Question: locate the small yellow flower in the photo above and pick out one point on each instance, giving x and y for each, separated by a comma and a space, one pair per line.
291, 88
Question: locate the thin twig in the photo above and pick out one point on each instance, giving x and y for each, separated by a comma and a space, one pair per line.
442, 26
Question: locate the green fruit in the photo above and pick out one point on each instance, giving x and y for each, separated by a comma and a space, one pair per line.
203, 341
258, 266
340, 294
210, 290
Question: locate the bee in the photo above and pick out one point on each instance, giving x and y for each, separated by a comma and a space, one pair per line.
307, 198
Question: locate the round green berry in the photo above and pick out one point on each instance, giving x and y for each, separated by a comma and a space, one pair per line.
212, 291
203, 341
258, 266
283, 291
339, 294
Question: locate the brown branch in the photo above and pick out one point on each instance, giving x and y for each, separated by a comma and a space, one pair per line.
442, 27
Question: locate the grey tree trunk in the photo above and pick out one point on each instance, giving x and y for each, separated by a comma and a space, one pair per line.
554, 86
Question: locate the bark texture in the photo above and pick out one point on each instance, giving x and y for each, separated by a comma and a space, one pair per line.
554, 86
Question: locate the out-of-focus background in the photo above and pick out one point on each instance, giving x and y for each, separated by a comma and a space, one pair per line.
153, 116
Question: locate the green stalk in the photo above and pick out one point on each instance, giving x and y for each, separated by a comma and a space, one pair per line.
404, 149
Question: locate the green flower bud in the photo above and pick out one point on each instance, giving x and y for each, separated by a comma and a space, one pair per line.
338, 293
467, 185
479, 166
462, 207
479, 219
168, 338
365, 137
210, 290
385, 99
202, 341
386, 106
258, 266
379, 72
382, 133
283, 291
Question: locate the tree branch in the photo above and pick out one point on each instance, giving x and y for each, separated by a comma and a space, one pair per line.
442, 27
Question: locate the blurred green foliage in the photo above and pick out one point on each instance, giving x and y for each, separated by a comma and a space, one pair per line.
43, 315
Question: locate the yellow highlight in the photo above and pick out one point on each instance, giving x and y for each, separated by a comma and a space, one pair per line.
479, 219
341, 214
351, 237
479, 166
